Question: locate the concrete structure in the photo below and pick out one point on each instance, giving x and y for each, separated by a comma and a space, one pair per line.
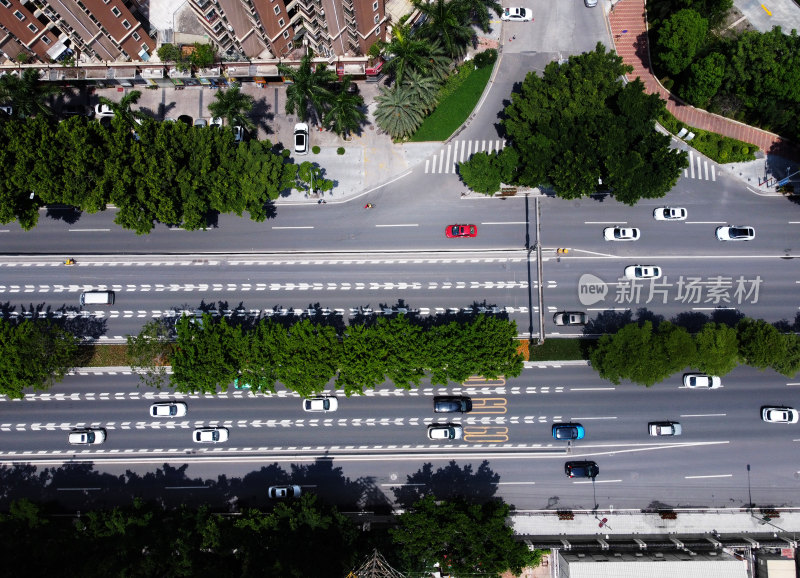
669, 564
86, 30
280, 28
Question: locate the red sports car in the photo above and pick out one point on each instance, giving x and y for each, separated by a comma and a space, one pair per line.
461, 231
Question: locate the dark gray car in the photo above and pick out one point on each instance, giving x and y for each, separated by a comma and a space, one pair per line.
452, 404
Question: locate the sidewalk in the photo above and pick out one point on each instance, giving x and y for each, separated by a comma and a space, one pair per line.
628, 22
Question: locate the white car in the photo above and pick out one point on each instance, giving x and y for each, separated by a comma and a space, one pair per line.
445, 431
664, 428
735, 233
669, 214
210, 435
201, 122
238, 134
590, 3
570, 318
103, 110
517, 15
168, 409
642, 272
82, 437
216, 121
301, 138
323, 403
283, 492
701, 381
620, 234
779, 415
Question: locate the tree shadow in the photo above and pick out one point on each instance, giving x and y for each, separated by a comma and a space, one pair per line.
608, 322
262, 115
448, 483
66, 213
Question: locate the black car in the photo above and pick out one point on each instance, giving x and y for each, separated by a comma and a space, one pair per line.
452, 404
581, 469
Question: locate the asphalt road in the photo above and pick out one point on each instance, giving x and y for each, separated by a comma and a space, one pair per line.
378, 440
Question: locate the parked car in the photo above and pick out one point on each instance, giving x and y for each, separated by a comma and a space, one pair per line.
76, 110
301, 138
570, 318
642, 272
590, 3
735, 233
103, 110
168, 409
517, 15
87, 436
322, 403
568, 431
210, 435
283, 492
452, 404
201, 122
238, 134
701, 381
664, 428
582, 469
216, 121
453, 231
669, 214
779, 415
445, 431
621, 233
9, 110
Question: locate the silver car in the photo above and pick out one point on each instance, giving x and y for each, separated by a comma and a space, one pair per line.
664, 428
735, 233
168, 409
88, 436
669, 214
210, 435
445, 431
570, 318
283, 492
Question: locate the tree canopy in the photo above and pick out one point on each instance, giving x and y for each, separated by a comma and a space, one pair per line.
579, 129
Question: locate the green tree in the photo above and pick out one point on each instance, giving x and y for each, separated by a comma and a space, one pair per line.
312, 358
27, 93
234, 106
405, 52
717, 349
760, 344
203, 55
397, 112
789, 364
169, 53
261, 353
148, 353
423, 89
122, 109
680, 38
308, 173
202, 360
464, 538
479, 11
405, 345
308, 95
705, 80
447, 21
345, 113
363, 359
714, 10
47, 350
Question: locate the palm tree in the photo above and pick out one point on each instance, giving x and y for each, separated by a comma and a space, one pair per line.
478, 11
309, 92
122, 109
423, 89
446, 21
345, 114
26, 93
438, 62
233, 106
405, 52
398, 113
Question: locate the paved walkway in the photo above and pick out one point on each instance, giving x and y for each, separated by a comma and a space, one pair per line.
628, 21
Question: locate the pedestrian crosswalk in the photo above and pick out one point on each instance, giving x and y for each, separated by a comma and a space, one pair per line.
459, 151
700, 168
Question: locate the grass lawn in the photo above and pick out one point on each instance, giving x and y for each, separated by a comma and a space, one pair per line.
561, 350
454, 110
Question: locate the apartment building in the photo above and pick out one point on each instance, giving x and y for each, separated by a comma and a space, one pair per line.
87, 30
279, 28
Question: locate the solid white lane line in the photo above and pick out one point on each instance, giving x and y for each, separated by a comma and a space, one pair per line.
597, 481
704, 222
504, 223
311, 227
400, 225
516, 483
592, 389
605, 222
712, 476
89, 230
585, 418
793, 383
703, 414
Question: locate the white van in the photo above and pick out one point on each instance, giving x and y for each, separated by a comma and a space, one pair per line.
97, 298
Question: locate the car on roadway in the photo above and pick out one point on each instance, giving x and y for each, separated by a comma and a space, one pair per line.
570, 318
517, 15
87, 436
103, 110
621, 234
735, 233
210, 435
669, 214
453, 231
301, 138
780, 415
568, 431
321, 403
445, 431
452, 404
582, 469
664, 428
283, 492
201, 122
642, 272
590, 3
168, 409
701, 381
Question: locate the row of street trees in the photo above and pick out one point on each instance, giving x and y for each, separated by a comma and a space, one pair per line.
301, 538
579, 129
716, 350
304, 356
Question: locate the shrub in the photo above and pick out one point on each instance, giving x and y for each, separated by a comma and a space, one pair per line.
315, 149
485, 58
456, 79
340, 151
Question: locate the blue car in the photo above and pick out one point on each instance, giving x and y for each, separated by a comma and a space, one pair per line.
568, 431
